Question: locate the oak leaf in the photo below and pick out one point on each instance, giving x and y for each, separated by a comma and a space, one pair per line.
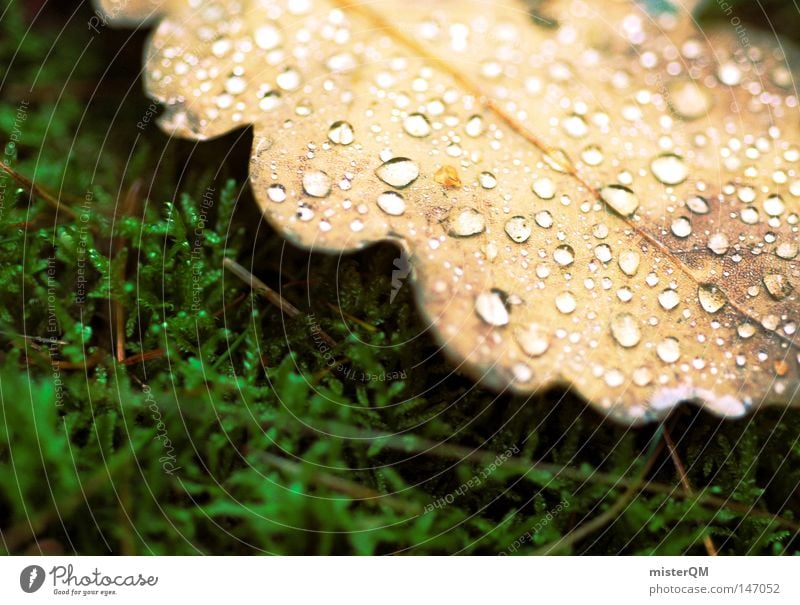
589, 195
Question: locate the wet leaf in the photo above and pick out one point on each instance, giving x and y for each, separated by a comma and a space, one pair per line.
590, 196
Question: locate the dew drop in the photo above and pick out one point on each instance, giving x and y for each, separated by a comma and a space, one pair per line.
558, 160
289, 79
341, 133
564, 255
316, 183
787, 250
669, 299
474, 126
698, 204
669, 169
491, 308
398, 172
620, 198
417, 125
566, 303
746, 330
718, 243
774, 205
487, 180
466, 222
276, 193
592, 155
575, 126
629, 262
625, 330
544, 219
518, 229
544, 188
669, 350
267, 37
603, 253
532, 339
777, 285
688, 101
712, 299
681, 227
392, 203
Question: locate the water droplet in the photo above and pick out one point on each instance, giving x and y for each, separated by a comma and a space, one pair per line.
669, 350
566, 303
518, 229
729, 74
642, 376
316, 183
575, 126
466, 222
398, 172
787, 250
682, 227
688, 101
746, 330
564, 255
544, 219
698, 204
341, 133
629, 262
544, 188
289, 79
532, 339
614, 378
625, 330
592, 155
718, 243
417, 125
669, 299
749, 216
487, 180
712, 299
669, 168
603, 253
267, 37
620, 198
474, 126
491, 308
447, 175
276, 193
558, 160
392, 203
774, 205
777, 285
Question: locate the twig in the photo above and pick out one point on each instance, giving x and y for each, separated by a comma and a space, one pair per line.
37, 191
708, 542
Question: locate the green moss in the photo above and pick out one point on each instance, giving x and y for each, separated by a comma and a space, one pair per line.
230, 433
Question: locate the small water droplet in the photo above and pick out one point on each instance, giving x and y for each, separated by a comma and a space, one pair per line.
669, 350
564, 255
466, 222
544, 188
289, 79
718, 243
566, 303
688, 101
787, 250
491, 308
417, 125
392, 203
518, 229
669, 299
777, 285
341, 133
544, 219
746, 330
625, 330
620, 198
603, 253
316, 183
267, 37
398, 172
487, 180
698, 204
592, 155
276, 193
575, 126
712, 299
681, 227
474, 126
532, 339
629, 262
669, 169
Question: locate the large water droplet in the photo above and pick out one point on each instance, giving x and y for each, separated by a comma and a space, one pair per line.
669, 299
398, 172
629, 262
276, 193
267, 37
466, 222
625, 330
391, 203
491, 308
341, 133
620, 198
532, 339
688, 100
777, 285
669, 168
566, 303
564, 255
474, 126
698, 204
518, 229
417, 125
712, 299
718, 243
669, 350
544, 188
316, 183
487, 180
681, 227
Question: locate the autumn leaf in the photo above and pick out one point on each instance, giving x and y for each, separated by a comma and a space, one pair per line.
589, 195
